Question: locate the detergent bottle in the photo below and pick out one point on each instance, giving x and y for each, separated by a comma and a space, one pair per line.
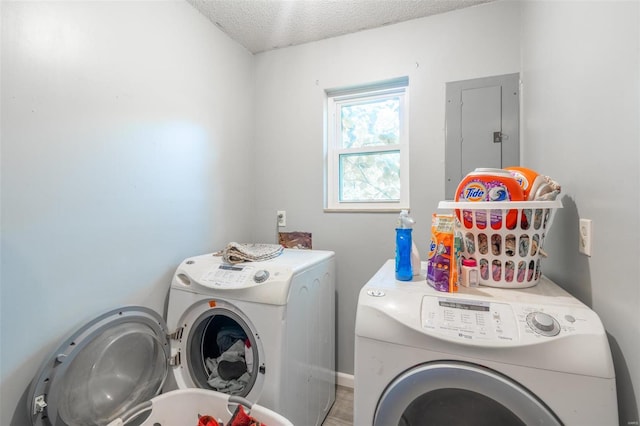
404, 243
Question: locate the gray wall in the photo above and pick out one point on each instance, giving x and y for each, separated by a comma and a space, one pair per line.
124, 125
581, 118
290, 85
579, 64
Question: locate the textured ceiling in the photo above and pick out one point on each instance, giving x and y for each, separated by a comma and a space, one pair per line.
261, 25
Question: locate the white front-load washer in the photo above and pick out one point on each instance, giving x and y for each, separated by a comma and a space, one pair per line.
278, 314
286, 309
481, 356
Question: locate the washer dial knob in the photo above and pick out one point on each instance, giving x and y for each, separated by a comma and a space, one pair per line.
261, 276
543, 324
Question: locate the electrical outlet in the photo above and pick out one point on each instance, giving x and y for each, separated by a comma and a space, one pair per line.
584, 243
282, 218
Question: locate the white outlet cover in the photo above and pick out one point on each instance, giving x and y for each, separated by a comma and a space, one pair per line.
585, 236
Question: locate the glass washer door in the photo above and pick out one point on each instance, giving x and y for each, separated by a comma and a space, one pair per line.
109, 365
450, 392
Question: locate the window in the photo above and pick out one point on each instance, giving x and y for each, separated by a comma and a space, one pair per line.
367, 163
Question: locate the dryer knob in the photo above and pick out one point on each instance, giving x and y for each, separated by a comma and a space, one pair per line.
543, 323
261, 276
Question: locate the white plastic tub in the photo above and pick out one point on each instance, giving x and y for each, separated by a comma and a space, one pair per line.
182, 407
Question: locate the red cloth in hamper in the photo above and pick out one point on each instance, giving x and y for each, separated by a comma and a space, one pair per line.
241, 418
207, 421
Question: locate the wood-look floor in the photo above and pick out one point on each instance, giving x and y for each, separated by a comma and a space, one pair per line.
341, 414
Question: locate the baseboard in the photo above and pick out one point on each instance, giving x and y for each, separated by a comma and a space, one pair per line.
344, 379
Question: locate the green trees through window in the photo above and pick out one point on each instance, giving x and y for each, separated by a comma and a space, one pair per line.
367, 148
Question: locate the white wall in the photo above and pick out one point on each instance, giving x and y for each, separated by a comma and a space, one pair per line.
290, 85
124, 125
581, 96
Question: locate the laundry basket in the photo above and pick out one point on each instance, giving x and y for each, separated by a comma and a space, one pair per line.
182, 407
505, 238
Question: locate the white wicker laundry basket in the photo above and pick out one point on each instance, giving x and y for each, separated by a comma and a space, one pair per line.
505, 238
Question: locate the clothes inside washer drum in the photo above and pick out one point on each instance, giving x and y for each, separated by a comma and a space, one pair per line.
228, 335
232, 359
229, 370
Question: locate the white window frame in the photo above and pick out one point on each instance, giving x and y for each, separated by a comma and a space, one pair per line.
337, 98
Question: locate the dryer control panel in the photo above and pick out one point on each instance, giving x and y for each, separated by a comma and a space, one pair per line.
484, 322
470, 320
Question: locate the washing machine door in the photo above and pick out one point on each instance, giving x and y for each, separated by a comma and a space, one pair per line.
115, 362
217, 347
449, 393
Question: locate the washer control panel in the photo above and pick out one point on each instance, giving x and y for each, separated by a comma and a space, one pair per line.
500, 324
234, 276
267, 282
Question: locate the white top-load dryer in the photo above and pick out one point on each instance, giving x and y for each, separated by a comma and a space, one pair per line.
481, 356
270, 324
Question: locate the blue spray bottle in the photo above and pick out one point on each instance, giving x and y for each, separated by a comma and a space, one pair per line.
404, 272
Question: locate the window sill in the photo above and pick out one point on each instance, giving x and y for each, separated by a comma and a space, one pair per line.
367, 210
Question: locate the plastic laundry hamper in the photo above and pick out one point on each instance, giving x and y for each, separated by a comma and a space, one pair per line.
182, 407
505, 238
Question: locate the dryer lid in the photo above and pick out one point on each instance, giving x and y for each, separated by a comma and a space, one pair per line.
115, 362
